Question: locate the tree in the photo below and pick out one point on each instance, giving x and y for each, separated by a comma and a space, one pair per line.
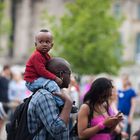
87, 36
5, 26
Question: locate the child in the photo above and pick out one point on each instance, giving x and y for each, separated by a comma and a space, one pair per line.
96, 119
36, 75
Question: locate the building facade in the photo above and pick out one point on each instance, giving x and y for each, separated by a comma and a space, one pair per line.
26, 17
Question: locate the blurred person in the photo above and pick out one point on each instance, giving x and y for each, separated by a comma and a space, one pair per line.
119, 134
17, 89
96, 119
126, 103
74, 90
36, 74
136, 135
5, 78
86, 87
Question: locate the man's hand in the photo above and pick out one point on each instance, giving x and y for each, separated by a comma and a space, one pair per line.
65, 113
58, 81
65, 97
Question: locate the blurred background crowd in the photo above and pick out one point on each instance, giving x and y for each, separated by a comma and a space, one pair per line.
98, 38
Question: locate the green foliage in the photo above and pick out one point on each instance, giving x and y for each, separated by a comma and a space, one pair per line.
5, 25
87, 36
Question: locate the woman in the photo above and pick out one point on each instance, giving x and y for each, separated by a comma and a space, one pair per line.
96, 120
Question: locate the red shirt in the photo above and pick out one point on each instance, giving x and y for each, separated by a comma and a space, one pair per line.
35, 67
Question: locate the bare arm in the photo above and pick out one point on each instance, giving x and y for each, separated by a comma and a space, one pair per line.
83, 131
132, 110
65, 113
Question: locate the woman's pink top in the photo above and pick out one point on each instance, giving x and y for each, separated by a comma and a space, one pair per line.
95, 121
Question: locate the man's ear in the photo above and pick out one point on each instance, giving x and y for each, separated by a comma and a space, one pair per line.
61, 75
52, 45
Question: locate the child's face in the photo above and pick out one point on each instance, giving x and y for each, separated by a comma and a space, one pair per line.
44, 42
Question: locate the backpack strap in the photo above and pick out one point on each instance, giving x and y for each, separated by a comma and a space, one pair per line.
42, 126
38, 130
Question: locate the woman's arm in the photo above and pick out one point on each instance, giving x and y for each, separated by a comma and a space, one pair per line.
83, 130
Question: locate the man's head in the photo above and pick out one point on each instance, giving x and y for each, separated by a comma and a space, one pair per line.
125, 81
43, 41
6, 71
61, 68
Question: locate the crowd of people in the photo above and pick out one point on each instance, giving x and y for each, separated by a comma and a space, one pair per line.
13, 91
105, 112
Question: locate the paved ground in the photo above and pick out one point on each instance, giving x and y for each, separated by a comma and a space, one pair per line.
136, 124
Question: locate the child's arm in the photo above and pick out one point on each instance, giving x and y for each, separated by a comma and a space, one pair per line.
58, 81
43, 72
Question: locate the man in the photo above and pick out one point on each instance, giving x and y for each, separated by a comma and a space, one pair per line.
4, 83
126, 103
43, 110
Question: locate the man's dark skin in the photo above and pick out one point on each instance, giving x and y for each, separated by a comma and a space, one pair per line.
61, 68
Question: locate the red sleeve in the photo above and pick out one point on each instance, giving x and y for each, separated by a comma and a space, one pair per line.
41, 69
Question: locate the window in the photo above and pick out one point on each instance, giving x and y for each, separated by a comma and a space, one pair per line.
117, 10
138, 11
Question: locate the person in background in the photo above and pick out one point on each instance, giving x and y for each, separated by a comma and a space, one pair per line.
126, 103
119, 134
136, 135
5, 78
17, 90
74, 90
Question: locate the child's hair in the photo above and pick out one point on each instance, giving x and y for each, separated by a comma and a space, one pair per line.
44, 30
99, 92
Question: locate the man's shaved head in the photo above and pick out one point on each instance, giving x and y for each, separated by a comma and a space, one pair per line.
61, 68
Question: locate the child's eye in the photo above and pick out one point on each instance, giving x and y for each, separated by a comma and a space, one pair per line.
41, 41
47, 42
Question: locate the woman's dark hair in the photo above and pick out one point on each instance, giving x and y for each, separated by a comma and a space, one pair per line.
99, 92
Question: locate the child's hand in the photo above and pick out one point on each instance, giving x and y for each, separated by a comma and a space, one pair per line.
58, 81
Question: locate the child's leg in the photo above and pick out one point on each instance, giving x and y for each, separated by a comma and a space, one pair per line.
36, 84
52, 87
47, 84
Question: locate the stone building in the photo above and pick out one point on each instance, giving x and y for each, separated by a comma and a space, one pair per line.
26, 21
129, 10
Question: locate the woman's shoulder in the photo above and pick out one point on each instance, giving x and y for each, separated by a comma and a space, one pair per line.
85, 108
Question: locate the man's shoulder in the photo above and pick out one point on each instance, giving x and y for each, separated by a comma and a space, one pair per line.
40, 94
